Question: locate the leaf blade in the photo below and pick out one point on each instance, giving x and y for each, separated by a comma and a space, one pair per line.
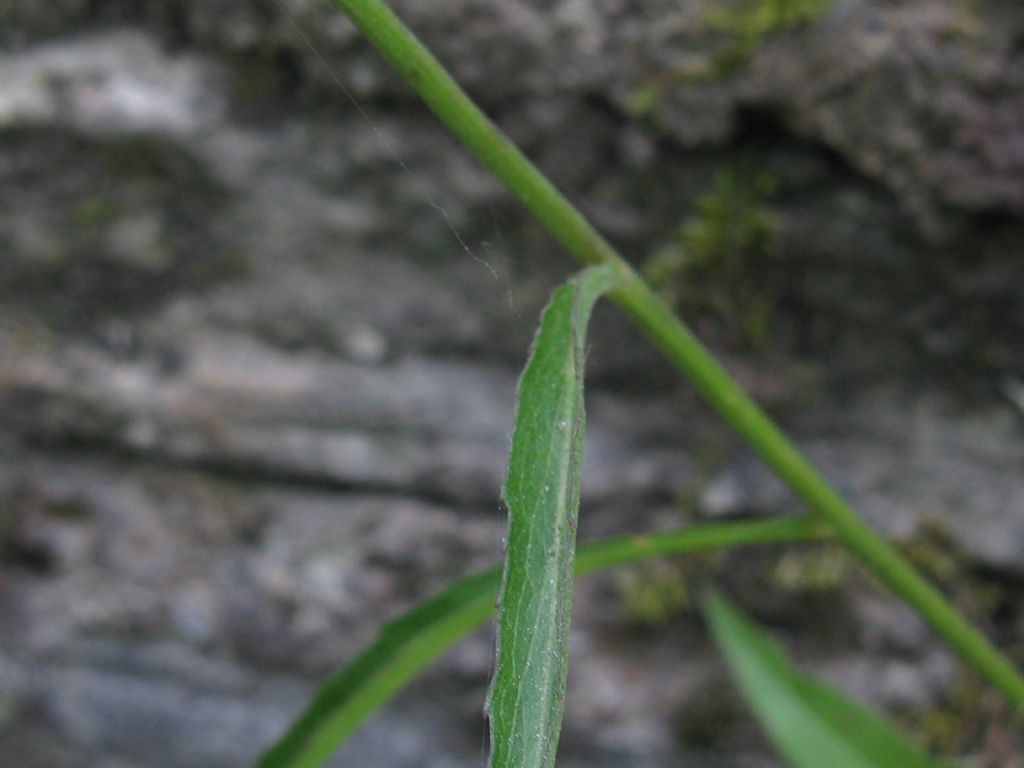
810, 723
403, 648
526, 698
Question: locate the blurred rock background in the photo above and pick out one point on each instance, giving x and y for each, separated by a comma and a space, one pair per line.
255, 395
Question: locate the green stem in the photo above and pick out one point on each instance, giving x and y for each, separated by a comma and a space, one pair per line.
448, 101
608, 553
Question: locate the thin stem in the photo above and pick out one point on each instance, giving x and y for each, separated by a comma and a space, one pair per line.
448, 101
607, 553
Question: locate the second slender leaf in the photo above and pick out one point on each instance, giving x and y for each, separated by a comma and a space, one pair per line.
812, 724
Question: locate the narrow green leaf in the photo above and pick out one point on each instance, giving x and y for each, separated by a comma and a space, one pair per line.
408, 644
402, 649
811, 724
526, 697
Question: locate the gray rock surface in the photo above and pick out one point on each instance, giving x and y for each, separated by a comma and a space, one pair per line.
259, 346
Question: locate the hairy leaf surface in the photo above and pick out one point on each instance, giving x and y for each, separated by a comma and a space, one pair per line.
542, 487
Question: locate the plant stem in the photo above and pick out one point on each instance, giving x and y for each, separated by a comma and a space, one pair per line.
450, 103
608, 553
